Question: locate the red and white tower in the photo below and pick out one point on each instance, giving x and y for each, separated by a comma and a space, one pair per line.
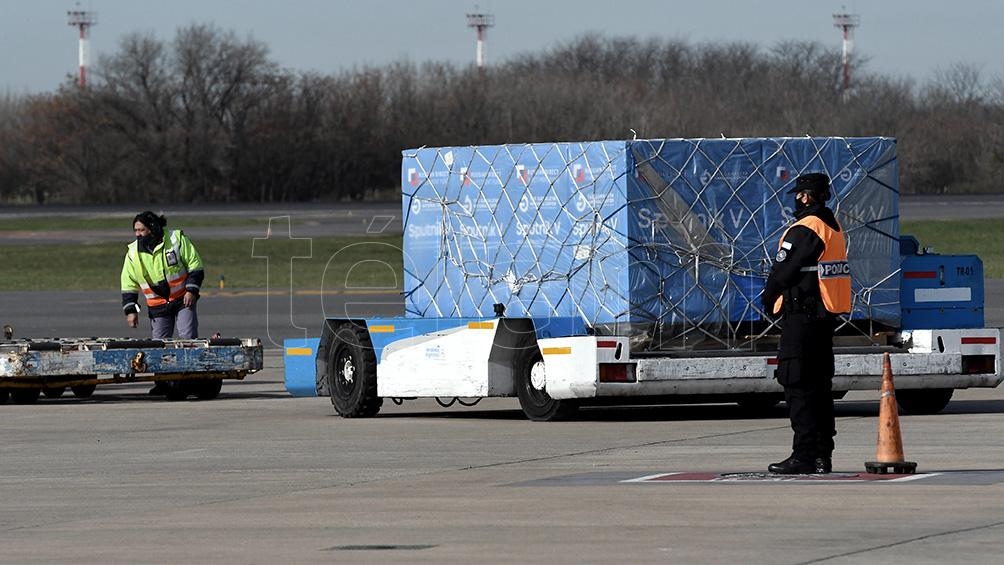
481, 22
83, 20
846, 23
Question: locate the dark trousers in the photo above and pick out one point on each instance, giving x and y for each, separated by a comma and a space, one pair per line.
805, 369
185, 320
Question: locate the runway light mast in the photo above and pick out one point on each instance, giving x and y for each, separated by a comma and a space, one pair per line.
83, 20
481, 22
846, 23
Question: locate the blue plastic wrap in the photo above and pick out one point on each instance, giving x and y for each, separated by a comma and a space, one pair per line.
630, 235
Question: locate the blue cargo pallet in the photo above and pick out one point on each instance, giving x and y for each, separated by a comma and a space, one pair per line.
674, 231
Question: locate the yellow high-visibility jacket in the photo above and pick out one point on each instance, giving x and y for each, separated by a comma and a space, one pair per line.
163, 276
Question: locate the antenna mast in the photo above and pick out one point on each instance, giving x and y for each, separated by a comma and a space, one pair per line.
83, 20
481, 22
846, 23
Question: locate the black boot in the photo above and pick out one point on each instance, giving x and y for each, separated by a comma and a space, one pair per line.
793, 465
824, 465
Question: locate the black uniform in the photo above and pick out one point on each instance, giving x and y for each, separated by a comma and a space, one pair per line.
805, 357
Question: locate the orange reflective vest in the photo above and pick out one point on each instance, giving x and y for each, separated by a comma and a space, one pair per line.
832, 268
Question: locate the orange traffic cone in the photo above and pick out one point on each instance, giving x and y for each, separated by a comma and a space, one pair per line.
889, 449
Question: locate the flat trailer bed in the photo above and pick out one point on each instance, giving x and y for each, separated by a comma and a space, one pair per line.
191, 367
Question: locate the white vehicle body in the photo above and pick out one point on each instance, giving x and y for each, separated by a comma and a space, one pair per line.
458, 363
506, 357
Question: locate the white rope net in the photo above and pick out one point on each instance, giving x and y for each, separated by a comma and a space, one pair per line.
669, 241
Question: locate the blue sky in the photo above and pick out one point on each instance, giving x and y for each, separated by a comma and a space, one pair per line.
901, 37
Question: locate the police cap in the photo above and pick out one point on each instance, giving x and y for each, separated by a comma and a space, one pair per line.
812, 182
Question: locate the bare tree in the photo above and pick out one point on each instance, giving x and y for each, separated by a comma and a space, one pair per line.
208, 116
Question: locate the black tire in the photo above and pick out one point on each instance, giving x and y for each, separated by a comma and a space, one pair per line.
176, 391
923, 400
83, 391
53, 391
759, 403
25, 395
208, 389
352, 379
531, 388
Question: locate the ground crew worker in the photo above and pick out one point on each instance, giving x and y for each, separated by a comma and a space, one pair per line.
809, 284
167, 269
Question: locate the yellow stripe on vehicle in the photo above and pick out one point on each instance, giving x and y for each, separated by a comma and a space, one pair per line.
299, 351
381, 329
480, 325
556, 350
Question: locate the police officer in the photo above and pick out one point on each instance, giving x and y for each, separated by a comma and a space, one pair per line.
809, 284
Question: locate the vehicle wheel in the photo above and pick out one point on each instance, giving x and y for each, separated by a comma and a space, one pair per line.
25, 395
531, 388
53, 391
83, 391
923, 400
759, 403
177, 391
352, 380
208, 389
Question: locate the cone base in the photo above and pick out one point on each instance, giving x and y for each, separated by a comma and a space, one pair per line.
898, 467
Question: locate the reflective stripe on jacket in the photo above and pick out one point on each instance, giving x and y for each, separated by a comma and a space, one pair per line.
163, 275
832, 269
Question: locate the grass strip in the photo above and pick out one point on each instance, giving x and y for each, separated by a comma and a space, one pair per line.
356, 262
70, 223
317, 263
981, 237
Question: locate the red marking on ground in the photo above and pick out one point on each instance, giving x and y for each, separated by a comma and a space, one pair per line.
768, 477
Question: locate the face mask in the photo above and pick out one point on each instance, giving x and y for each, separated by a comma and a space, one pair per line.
146, 241
822, 199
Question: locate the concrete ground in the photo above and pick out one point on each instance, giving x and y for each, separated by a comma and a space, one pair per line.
258, 476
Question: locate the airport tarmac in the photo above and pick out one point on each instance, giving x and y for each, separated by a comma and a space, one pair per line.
258, 476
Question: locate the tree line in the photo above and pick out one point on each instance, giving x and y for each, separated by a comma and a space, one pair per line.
209, 117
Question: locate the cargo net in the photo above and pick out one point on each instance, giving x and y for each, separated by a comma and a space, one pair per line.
669, 241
